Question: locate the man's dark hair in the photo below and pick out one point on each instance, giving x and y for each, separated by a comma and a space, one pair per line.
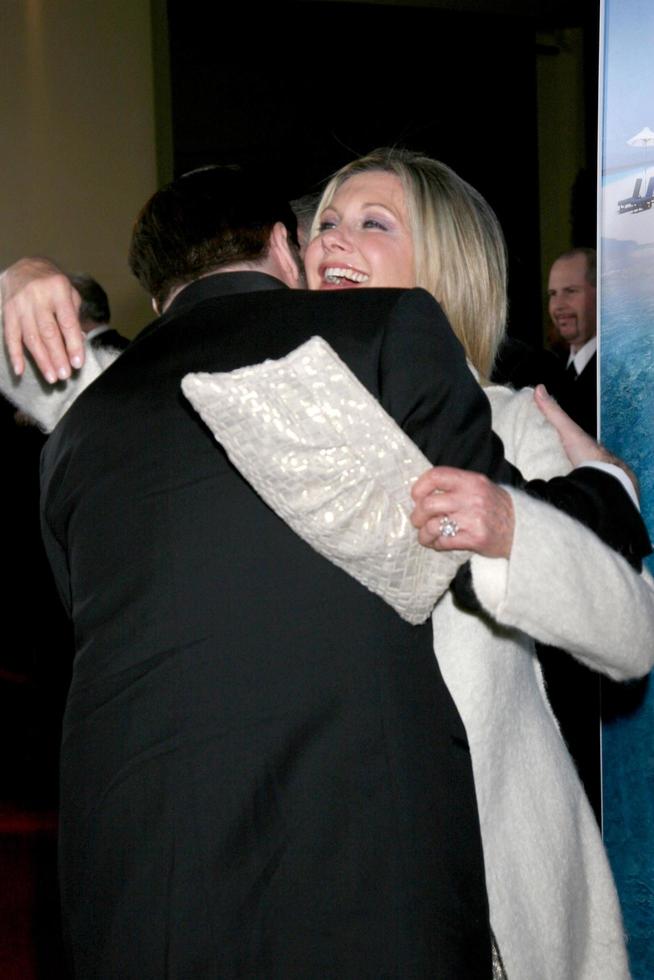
208, 218
95, 303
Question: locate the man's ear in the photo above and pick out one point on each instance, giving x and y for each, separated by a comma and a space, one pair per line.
283, 254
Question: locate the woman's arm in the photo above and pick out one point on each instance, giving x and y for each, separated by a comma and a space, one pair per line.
33, 291
40, 308
535, 568
564, 587
562, 584
47, 403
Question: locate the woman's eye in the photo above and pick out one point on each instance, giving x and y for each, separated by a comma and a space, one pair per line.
325, 225
374, 223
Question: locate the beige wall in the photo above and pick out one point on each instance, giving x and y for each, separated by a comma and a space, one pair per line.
77, 137
561, 140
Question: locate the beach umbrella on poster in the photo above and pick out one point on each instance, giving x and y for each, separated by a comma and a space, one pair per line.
644, 138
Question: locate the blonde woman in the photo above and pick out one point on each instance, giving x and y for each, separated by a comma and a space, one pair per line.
395, 218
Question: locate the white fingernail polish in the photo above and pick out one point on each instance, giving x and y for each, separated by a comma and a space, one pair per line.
50, 378
76, 361
63, 373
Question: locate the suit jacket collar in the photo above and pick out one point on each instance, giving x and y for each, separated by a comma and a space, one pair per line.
210, 287
222, 284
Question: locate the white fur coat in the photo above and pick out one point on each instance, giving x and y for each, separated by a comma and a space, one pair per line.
554, 909
45, 403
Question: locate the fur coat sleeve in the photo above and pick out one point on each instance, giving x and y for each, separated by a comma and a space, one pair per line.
561, 585
45, 403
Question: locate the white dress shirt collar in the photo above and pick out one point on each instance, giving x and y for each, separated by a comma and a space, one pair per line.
583, 355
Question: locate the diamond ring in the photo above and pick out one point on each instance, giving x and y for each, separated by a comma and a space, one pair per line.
448, 526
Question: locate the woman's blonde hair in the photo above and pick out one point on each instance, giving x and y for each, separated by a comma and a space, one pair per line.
459, 250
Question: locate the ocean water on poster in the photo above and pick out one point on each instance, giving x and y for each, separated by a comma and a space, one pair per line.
627, 399
627, 363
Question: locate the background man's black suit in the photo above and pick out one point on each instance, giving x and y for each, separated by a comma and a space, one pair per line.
579, 397
263, 774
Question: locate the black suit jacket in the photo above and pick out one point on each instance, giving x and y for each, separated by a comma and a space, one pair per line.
263, 774
579, 397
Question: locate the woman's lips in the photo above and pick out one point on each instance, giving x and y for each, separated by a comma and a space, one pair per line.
341, 276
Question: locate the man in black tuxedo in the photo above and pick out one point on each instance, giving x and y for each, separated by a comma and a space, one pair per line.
263, 774
572, 302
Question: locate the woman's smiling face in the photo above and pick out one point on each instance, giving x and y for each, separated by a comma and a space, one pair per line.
364, 238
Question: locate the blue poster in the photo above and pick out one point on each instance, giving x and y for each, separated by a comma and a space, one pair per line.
626, 304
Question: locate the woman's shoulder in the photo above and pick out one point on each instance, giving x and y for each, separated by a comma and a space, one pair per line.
514, 409
531, 442
506, 399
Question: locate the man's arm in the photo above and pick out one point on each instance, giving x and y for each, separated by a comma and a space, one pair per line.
426, 385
